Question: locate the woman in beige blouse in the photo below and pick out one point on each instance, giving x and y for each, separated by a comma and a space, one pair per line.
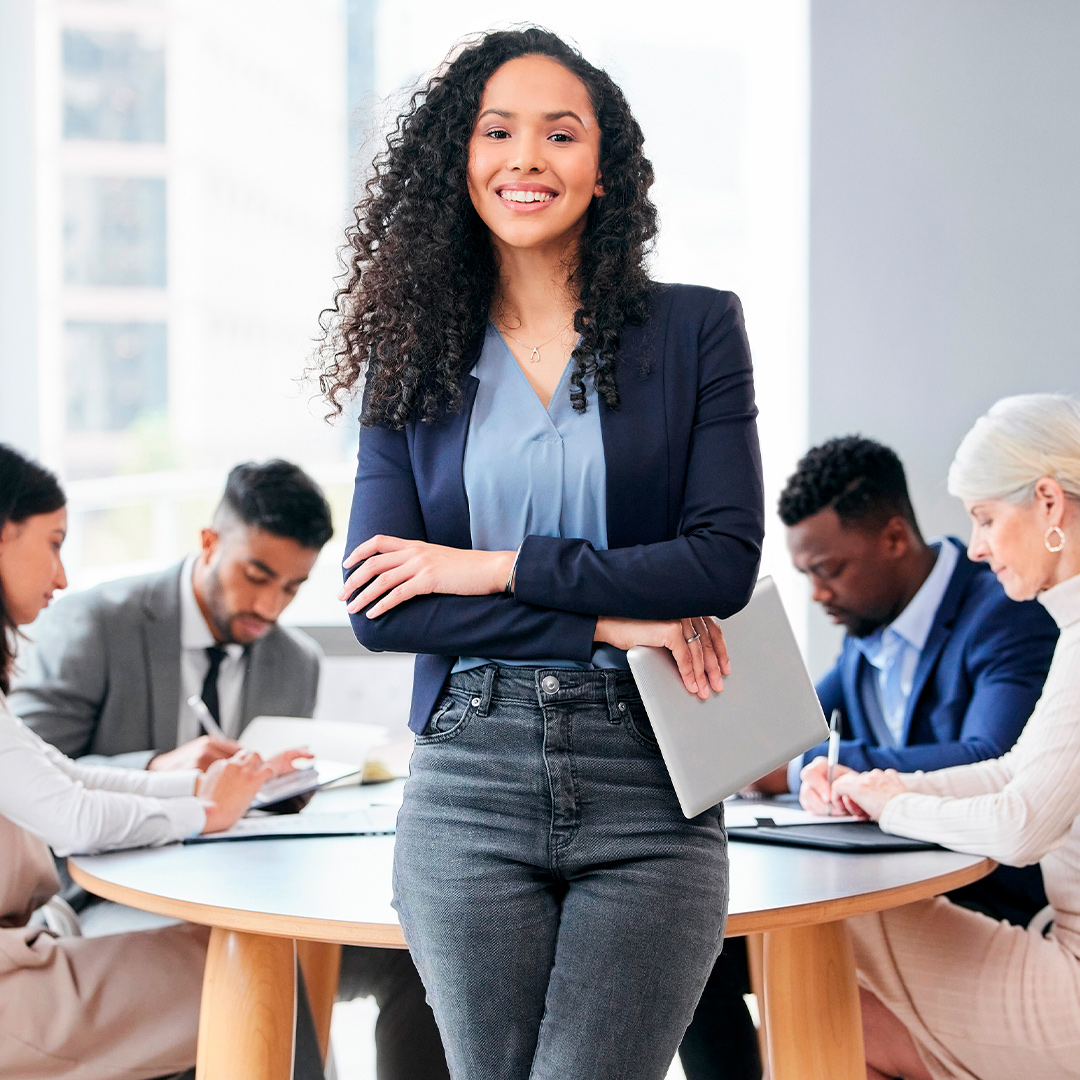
948, 992
104, 1008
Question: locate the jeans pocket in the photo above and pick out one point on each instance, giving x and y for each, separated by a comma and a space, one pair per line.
639, 725
448, 719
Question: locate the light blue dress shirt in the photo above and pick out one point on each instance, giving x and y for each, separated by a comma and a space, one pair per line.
531, 471
892, 653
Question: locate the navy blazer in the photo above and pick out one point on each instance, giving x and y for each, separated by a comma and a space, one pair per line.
976, 682
685, 507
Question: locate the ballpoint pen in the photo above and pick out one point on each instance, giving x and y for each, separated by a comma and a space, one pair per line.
834, 750
211, 726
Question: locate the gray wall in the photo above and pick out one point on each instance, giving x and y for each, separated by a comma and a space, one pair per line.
944, 224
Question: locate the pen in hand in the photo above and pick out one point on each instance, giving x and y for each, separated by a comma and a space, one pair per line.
206, 718
834, 751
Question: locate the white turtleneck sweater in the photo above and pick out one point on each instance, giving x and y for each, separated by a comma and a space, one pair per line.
1024, 807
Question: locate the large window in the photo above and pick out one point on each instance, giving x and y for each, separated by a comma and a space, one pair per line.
114, 85
114, 231
194, 166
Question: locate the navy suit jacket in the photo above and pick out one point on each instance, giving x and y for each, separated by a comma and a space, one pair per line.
685, 513
976, 682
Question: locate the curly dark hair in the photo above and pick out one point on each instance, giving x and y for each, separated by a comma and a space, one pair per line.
421, 273
860, 479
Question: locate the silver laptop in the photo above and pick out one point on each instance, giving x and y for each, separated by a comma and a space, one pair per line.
766, 714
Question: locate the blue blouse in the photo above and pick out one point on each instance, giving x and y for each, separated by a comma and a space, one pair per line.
533, 471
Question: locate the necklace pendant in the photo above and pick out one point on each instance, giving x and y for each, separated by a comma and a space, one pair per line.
534, 356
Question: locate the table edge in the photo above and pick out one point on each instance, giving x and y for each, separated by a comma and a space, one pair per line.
388, 935
305, 928
845, 907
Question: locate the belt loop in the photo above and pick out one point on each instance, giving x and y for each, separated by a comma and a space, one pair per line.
611, 687
485, 694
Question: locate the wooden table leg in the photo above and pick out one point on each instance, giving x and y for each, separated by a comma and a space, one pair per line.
812, 1001
320, 962
755, 958
247, 1021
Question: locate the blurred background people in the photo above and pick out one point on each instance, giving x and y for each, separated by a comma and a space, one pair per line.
90, 1009
950, 992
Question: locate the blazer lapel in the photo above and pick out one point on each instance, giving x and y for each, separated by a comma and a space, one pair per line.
638, 485
161, 631
850, 663
438, 460
939, 635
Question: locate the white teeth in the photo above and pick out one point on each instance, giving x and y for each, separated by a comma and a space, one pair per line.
526, 196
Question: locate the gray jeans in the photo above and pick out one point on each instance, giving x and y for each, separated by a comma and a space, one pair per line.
563, 914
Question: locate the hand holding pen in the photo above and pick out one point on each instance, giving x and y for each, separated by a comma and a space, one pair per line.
281, 763
834, 754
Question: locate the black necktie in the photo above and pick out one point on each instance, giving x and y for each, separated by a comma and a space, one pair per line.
215, 654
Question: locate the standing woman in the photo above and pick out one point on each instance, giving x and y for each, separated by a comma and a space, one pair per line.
558, 460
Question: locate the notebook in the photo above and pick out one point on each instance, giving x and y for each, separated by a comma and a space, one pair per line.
767, 713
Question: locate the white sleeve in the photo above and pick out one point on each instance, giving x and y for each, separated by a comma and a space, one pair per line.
80, 809
977, 778
1018, 808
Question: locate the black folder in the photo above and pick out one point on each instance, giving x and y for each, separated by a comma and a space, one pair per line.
857, 837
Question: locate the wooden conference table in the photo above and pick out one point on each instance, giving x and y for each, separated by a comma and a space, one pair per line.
269, 901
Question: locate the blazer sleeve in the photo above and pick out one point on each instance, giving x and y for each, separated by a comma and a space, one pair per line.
385, 501
59, 693
1007, 663
708, 569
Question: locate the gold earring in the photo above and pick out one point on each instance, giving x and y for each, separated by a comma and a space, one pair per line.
1060, 538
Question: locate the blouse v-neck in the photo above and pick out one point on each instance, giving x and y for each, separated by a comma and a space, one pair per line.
521, 371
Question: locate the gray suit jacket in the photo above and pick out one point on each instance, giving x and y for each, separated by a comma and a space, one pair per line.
101, 680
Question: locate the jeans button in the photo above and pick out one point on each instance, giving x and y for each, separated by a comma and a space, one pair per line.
549, 684
475, 703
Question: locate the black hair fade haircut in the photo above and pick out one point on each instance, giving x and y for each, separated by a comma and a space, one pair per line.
860, 479
421, 272
280, 498
26, 490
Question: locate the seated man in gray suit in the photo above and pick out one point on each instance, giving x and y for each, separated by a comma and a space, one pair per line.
208, 627
111, 669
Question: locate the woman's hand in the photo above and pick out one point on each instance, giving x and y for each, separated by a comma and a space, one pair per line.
697, 645
814, 792
228, 786
396, 569
285, 761
867, 793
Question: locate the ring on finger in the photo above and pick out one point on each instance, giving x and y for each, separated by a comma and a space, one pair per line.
691, 640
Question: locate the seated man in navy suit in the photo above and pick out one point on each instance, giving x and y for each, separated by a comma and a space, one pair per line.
938, 668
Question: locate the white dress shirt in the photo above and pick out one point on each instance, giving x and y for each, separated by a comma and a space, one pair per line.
195, 639
78, 809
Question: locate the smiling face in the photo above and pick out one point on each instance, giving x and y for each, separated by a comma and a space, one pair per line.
534, 155
30, 566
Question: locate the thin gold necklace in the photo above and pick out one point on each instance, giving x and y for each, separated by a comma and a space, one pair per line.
534, 350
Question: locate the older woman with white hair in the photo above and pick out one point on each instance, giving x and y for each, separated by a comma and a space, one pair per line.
948, 992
